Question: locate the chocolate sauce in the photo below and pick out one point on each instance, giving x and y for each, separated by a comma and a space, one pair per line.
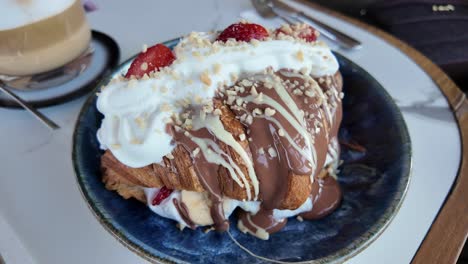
207, 172
289, 133
183, 212
326, 196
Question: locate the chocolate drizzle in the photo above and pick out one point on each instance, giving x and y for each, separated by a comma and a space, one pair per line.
207, 173
183, 212
326, 196
290, 120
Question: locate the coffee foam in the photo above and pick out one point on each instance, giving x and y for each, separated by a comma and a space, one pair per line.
18, 13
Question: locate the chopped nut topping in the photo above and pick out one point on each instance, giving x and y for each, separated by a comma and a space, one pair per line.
309, 93
269, 111
144, 66
205, 78
231, 92
144, 48
281, 133
272, 152
195, 152
198, 99
216, 68
231, 99
249, 120
132, 83
253, 91
170, 156
242, 137
234, 77
300, 55
165, 107
259, 98
297, 92
115, 146
135, 141
257, 111
246, 83
141, 122
254, 42
261, 151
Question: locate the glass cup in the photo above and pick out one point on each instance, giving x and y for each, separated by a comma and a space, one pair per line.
41, 35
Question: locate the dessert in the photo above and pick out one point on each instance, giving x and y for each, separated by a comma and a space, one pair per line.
247, 118
38, 36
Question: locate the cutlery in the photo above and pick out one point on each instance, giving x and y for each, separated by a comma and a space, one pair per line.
45, 120
276, 8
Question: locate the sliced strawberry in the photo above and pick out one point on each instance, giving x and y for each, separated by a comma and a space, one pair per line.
155, 57
161, 195
302, 31
243, 32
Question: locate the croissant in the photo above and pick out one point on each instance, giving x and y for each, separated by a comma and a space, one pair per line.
266, 143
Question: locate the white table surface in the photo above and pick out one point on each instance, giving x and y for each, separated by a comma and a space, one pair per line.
43, 218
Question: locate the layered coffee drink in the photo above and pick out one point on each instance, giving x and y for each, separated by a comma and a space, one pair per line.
37, 36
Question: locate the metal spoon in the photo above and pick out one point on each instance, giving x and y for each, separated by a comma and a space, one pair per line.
265, 10
44, 119
276, 8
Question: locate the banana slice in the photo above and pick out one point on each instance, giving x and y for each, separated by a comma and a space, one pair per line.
198, 207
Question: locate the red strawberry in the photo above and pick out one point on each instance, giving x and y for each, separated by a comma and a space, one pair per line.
155, 57
161, 195
243, 32
302, 31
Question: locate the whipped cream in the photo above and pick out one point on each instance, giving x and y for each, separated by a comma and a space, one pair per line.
136, 112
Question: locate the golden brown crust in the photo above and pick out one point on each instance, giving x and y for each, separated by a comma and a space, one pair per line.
178, 173
299, 188
114, 182
144, 176
229, 187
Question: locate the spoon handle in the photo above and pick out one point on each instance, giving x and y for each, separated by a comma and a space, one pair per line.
44, 119
336, 35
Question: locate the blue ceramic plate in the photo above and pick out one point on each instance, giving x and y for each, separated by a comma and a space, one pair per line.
374, 184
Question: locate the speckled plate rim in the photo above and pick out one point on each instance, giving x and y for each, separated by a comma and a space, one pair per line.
340, 256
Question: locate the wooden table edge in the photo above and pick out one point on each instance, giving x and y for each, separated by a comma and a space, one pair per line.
445, 239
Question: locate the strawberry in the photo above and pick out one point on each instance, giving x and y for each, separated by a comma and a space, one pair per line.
243, 32
302, 31
154, 58
161, 195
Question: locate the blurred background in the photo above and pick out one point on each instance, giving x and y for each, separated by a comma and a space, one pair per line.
438, 29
